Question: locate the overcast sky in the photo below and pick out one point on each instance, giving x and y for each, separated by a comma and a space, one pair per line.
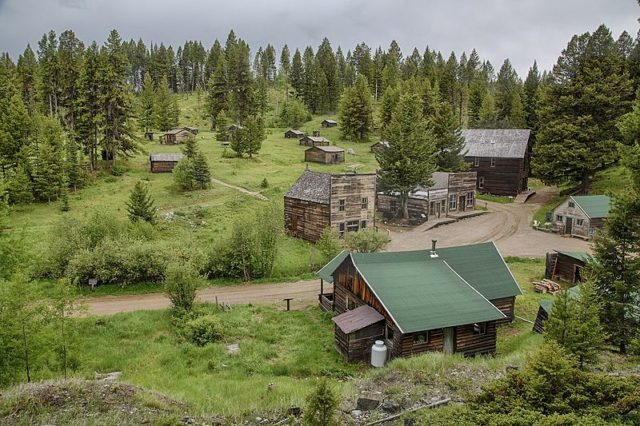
522, 30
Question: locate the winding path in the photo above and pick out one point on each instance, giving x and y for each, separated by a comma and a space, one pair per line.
240, 189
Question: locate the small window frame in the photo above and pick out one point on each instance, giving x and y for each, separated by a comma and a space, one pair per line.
476, 162
342, 205
481, 182
559, 218
470, 198
364, 204
342, 227
579, 222
363, 224
572, 204
480, 328
421, 338
453, 202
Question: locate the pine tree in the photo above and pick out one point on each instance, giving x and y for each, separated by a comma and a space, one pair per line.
507, 85
517, 117
408, 161
201, 173
388, 104
19, 186
254, 135
356, 111
28, 74
285, 60
70, 55
88, 106
326, 60
296, 77
448, 139
222, 127
321, 407
140, 204
190, 148
49, 72
47, 169
166, 109
531, 97
147, 104
217, 94
14, 127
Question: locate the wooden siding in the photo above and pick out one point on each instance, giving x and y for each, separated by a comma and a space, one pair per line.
319, 156
509, 176
305, 219
307, 141
538, 325
507, 307
352, 188
468, 343
562, 266
461, 184
356, 346
574, 214
162, 166
174, 138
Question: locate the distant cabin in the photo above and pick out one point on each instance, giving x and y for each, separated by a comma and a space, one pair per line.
314, 141
324, 155
148, 136
501, 157
329, 123
174, 136
566, 265
164, 162
450, 193
294, 134
581, 215
545, 307
342, 202
378, 146
443, 300
192, 130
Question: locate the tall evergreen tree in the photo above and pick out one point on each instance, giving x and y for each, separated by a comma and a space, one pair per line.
296, 77
49, 72
356, 111
140, 204
532, 96
146, 116
88, 105
166, 108
448, 140
70, 55
488, 114
29, 79
507, 85
217, 95
285, 60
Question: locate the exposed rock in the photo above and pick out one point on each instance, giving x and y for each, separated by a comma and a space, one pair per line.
233, 349
390, 406
108, 377
356, 413
367, 404
294, 411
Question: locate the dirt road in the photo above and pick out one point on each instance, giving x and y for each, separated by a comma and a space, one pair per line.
302, 292
508, 225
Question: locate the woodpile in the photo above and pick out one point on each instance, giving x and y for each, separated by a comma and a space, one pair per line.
546, 286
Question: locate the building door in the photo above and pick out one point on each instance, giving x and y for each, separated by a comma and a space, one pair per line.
568, 225
461, 203
294, 223
449, 340
577, 274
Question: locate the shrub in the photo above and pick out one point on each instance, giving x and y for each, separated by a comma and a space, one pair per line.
294, 114
322, 404
180, 285
329, 244
366, 241
203, 330
183, 174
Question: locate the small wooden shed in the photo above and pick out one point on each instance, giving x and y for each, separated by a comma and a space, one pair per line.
329, 123
314, 141
324, 154
581, 216
292, 133
192, 130
174, 136
567, 265
378, 146
164, 162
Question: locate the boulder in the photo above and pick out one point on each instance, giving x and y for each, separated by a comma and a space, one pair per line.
367, 404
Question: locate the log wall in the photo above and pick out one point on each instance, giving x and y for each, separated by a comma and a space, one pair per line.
508, 177
319, 156
305, 219
507, 307
352, 188
538, 325
162, 166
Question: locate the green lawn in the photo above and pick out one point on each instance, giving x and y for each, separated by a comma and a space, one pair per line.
495, 198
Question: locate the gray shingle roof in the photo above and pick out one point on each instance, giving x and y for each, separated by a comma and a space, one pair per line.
499, 143
328, 148
317, 138
166, 156
175, 131
311, 186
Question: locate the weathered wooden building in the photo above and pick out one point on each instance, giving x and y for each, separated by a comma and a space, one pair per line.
566, 265
164, 162
329, 123
501, 157
174, 136
450, 192
294, 134
581, 216
448, 300
192, 130
315, 141
316, 201
379, 146
324, 154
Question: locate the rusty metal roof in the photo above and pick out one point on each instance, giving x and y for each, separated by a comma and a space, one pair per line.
357, 319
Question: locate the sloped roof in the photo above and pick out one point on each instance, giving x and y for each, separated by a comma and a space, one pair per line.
574, 293
499, 143
577, 255
175, 131
330, 121
317, 138
328, 148
294, 131
422, 293
594, 206
357, 319
327, 270
166, 157
311, 186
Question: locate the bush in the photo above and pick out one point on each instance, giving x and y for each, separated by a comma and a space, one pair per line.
322, 404
329, 244
366, 241
181, 283
203, 330
294, 114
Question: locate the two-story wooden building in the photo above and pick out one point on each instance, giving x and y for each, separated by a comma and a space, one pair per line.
501, 158
316, 201
448, 299
581, 215
450, 192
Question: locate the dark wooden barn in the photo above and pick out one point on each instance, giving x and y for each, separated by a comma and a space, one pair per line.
324, 154
501, 159
175, 136
315, 141
449, 300
164, 162
316, 201
566, 265
294, 134
329, 123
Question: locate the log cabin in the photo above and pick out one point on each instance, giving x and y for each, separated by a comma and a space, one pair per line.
294, 134
449, 193
324, 154
342, 202
566, 265
174, 136
329, 123
315, 141
545, 307
501, 157
164, 162
449, 300
581, 216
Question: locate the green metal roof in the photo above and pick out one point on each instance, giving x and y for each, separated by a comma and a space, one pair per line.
594, 206
327, 270
578, 255
422, 293
574, 293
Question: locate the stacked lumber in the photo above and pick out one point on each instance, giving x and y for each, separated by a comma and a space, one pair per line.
546, 286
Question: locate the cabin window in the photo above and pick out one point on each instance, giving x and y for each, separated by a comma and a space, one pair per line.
393, 205
469, 199
481, 182
476, 162
480, 328
579, 222
572, 204
388, 332
453, 199
352, 226
363, 224
365, 203
421, 338
558, 218
341, 228
341, 205
493, 162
